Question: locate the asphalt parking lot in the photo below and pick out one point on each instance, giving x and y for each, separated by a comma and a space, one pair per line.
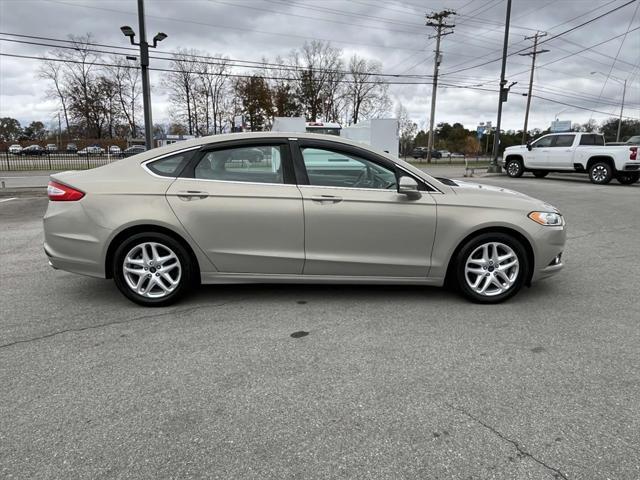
389, 382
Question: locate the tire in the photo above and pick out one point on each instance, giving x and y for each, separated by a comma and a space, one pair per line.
475, 262
600, 173
540, 174
514, 168
155, 288
628, 178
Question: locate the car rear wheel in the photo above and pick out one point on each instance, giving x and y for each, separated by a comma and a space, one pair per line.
152, 269
514, 168
540, 174
491, 268
627, 178
600, 173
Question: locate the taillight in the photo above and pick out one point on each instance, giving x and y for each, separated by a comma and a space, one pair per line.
59, 192
634, 153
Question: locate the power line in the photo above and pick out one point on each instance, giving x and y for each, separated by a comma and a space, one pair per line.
223, 61
548, 39
227, 27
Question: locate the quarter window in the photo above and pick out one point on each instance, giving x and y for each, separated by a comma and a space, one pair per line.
170, 166
330, 168
255, 164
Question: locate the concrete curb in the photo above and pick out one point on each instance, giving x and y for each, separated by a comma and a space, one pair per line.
23, 192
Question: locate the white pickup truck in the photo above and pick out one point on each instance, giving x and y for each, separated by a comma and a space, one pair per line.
575, 152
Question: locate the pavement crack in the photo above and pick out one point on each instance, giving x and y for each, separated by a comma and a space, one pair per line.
116, 322
518, 447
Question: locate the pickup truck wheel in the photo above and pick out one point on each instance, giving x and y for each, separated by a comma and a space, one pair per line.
540, 174
628, 178
514, 168
600, 173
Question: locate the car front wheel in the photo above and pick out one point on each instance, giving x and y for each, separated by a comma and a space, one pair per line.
152, 269
514, 168
491, 268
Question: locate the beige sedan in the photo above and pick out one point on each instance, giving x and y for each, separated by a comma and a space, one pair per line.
272, 207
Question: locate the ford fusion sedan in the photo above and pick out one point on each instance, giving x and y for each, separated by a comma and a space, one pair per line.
313, 209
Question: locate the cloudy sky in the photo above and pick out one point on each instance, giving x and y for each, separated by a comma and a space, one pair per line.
391, 31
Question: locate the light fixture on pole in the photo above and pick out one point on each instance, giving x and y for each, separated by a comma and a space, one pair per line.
127, 31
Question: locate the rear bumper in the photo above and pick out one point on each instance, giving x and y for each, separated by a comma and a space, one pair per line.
631, 167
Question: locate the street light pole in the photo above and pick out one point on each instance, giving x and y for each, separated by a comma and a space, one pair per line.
144, 66
493, 166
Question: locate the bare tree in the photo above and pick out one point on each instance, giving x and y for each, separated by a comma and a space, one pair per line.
318, 69
214, 82
51, 70
367, 93
182, 85
128, 90
407, 129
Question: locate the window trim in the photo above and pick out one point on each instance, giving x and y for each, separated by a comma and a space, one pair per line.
288, 177
555, 140
346, 149
170, 154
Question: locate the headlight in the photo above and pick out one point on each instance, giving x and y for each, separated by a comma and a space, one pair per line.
547, 218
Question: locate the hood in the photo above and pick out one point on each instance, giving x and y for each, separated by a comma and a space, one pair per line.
516, 147
492, 193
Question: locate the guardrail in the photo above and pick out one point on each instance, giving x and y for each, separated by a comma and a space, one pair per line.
449, 160
53, 161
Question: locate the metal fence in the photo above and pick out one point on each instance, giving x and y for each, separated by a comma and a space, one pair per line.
53, 161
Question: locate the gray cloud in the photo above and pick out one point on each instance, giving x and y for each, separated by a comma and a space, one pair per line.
397, 38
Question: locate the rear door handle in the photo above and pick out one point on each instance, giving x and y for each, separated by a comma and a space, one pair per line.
326, 199
192, 195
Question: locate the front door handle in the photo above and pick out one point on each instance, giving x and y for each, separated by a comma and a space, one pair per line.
192, 195
326, 199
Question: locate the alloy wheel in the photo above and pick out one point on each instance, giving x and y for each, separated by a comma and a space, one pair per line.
152, 270
491, 269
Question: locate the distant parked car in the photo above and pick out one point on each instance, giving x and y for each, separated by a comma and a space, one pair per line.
52, 147
15, 149
457, 155
134, 150
91, 150
33, 150
72, 147
115, 150
421, 152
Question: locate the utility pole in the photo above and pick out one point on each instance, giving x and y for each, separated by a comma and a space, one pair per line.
437, 21
533, 66
493, 166
624, 91
144, 66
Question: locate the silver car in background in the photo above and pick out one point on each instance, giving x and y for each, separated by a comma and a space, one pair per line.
272, 207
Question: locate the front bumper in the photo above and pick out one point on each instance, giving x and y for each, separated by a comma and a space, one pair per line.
549, 248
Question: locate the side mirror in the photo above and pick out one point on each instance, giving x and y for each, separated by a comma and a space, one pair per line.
409, 187
529, 147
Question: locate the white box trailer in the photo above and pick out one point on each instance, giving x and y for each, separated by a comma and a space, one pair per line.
380, 133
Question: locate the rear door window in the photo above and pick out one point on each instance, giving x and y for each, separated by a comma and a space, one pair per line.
254, 164
170, 166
